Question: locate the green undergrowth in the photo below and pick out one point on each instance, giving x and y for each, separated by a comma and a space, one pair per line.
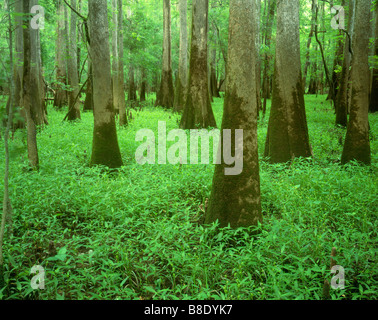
139, 233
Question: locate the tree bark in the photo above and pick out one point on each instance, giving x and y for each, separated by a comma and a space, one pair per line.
73, 78
373, 106
61, 98
311, 35
235, 199
105, 148
31, 98
166, 94
198, 111
287, 131
342, 94
267, 58
357, 143
121, 74
182, 81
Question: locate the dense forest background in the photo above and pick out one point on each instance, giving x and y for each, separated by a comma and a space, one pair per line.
93, 73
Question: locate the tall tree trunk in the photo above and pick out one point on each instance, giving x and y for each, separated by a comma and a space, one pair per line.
143, 86
373, 106
342, 94
182, 81
132, 96
166, 94
267, 58
287, 132
198, 111
88, 103
60, 98
121, 74
357, 143
115, 64
235, 198
18, 68
105, 148
311, 35
31, 98
73, 78
257, 48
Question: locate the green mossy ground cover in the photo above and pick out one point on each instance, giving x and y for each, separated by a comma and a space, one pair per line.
138, 234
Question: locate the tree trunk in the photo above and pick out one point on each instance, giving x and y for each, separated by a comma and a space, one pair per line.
287, 132
31, 98
267, 57
73, 78
257, 60
182, 78
357, 143
342, 93
307, 64
132, 96
143, 86
166, 95
60, 98
198, 111
235, 199
115, 65
88, 103
121, 75
18, 68
373, 106
105, 148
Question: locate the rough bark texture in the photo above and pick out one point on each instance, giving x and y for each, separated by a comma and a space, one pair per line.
121, 75
115, 65
311, 35
198, 111
287, 132
357, 144
30, 94
182, 78
61, 98
373, 106
342, 94
166, 94
105, 149
267, 58
18, 69
73, 78
235, 200
257, 61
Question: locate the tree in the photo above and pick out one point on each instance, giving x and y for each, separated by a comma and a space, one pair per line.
235, 199
307, 64
373, 106
182, 77
72, 75
18, 68
166, 94
357, 143
7, 206
198, 111
121, 75
287, 131
105, 149
342, 97
267, 57
30, 94
60, 97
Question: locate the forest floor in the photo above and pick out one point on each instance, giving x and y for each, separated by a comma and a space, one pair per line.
138, 234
